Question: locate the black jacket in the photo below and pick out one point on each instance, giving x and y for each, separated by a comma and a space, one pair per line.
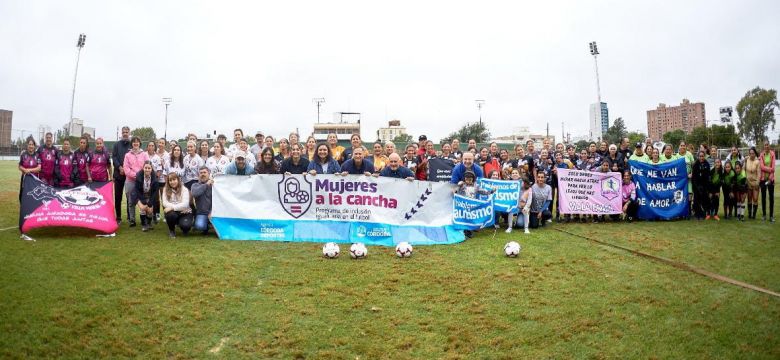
288, 166
121, 148
139, 189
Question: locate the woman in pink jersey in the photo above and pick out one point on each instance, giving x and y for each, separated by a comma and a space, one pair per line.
134, 162
99, 162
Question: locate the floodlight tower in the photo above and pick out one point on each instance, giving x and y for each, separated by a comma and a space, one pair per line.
480, 104
80, 45
319, 102
167, 101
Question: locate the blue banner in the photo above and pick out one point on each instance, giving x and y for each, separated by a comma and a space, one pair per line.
662, 190
472, 214
507, 195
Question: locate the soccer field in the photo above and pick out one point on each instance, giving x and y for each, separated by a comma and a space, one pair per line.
70, 294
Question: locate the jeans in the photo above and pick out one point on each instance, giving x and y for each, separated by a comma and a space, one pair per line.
201, 222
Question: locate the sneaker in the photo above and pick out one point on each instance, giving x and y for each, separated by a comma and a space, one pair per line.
716, 217
508, 230
549, 221
772, 219
132, 224
156, 217
526, 231
171, 234
145, 228
496, 226
707, 218
25, 237
118, 222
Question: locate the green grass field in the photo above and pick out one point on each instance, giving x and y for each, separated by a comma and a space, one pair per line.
144, 295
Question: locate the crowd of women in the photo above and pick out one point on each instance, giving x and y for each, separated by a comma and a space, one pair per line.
158, 177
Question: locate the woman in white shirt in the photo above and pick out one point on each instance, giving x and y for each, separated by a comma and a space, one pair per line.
217, 162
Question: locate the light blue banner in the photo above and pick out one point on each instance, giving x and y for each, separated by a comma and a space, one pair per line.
661, 190
472, 214
507, 195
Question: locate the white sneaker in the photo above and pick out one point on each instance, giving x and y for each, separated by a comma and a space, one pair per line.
549, 220
509, 230
526, 231
27, 238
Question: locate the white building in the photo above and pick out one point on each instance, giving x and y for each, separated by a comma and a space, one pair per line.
76, 128
42, 130
598, 120
521, 135
393, 130
343, 125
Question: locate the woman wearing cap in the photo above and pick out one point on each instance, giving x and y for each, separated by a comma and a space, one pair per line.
146, 194
176, 205
192, 163
134, 162
324, 163
767, 181
639, 154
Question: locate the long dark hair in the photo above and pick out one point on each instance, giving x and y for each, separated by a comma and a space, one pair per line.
328, 159
180, 159
262, 166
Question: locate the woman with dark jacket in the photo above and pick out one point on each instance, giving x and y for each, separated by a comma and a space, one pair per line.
701, 182
323, 162
146, 193
266, 164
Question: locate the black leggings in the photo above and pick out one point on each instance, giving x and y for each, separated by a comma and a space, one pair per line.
768, 186
119, 193
184, 221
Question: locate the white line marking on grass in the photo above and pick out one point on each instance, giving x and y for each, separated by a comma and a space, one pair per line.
219, 346
9, 228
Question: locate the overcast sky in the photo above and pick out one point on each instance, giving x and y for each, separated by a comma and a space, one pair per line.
257, 65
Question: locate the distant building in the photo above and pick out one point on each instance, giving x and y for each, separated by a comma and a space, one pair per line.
344, 125
42, 130
6, 123
598, 120
521, 135
393, 130
76, 128
668, 118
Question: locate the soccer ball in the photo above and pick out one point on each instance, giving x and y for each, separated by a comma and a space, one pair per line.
358, 251
512, 249
330, 250
403, 250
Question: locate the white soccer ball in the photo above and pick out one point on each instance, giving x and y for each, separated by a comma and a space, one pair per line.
331, 250
358, 251
512, 249
403, 250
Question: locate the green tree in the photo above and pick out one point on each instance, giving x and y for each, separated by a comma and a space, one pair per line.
635, 137
476, 131
616, 132
674, 137
144, 133
402, 140
699, 135
724, 136
582, 144
757, 113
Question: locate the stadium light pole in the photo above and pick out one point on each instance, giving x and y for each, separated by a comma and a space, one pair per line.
480, 104
80, 45
594, 50
167, 101
319, 102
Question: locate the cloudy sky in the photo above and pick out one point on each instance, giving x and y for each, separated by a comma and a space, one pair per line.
257, 65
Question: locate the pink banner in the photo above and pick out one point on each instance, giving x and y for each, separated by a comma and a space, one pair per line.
585, 192
89, 206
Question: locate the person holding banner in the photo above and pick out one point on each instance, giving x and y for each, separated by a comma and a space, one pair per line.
29, 163
267, 164
701, 181
47, 154
446, 153
63, 171
324, 162
628, 194
395, 170
542, 198
455, 147
357, 165
133, 164
668, 154
296, 163
767, 182
145, 194
467, 164
176, 205
81, 162
99, 162
470, 189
